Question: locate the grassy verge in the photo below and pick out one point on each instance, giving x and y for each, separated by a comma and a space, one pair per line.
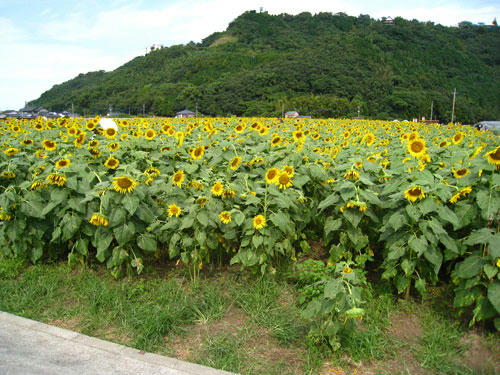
241, 323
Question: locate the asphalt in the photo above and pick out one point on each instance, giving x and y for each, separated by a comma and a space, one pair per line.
28, 347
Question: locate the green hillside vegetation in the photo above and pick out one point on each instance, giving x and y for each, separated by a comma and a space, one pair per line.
322, 65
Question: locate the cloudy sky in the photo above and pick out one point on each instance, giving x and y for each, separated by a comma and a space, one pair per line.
46, 42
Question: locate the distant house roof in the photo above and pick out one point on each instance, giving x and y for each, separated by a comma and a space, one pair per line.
388, 21
185, 112
291, 113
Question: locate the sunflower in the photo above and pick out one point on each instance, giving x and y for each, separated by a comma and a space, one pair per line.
229, 193
111, 163
461, 194
259, 222
38, 185
239, 128
347, 270
56, 179
90, 125
93, 143
297, 135
38, 126
174, 210
178, 178
276, 141
202, 201
494, 157
272, 175
110, 133
217, 189
49, 145
198, 152
283, 181
416, 147
8, 174
288, 169
27, 142
235, 163
444, 144
369, 139
124, 184
225, 217
113, 146
98, 219
352, 175
457, 138
414, 193
150, 134
95, 152
11, 151
63, 163
461, 172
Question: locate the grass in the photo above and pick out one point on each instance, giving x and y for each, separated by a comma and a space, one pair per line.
235, 321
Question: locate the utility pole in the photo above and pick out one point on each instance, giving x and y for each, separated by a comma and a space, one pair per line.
453, 108
144, 109
432, 107
359, 111
282, 110
196, 110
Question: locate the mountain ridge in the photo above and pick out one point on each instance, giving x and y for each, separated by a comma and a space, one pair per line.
323, 65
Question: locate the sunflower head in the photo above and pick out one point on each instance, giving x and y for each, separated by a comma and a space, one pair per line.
416, 147
110, 133
124, 184
414, 193
174, 210
225, 217
283, 180
494, 157
198, 152
178, 178
259, 222
49, 145
235, 163
461, 172
217, 189
98, 219
150, 134
457, 138
11, 151
62, 163
111, 163
272, 175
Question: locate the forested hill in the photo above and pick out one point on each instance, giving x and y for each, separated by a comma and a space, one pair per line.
323, 65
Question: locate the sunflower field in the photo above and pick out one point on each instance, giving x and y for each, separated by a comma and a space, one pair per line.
420, 201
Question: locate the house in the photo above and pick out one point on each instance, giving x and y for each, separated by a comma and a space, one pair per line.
291, 114
387, 21
184, 113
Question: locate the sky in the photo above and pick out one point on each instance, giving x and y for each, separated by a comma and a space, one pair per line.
47, 42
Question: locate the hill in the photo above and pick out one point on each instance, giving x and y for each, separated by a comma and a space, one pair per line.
323, 65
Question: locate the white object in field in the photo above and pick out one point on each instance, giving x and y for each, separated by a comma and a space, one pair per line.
107, 123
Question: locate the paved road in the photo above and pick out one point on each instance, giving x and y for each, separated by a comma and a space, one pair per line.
32, 348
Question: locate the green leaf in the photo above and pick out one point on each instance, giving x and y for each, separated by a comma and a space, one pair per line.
413, 212
328, 201
407, 266
102, 240
82, 246
124, 233
58, 195
494, 294
397, 220
203, 218
428, 205
418, 244
281, 220
36, 253
479, 236
187, 222
257, 240
470, 267
395, 252
435, 257
332, 288
449, 243
70, 225
118, 216
239, 218
130, 202
420, 286
446, 214
332, 224
494, 245
490, 271
353, 215
200, 237
147, 242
